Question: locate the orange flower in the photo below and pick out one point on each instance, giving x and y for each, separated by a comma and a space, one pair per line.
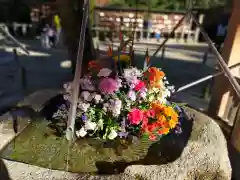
163, 131
170, 112
161, 119
167, 111
172, 123
154, 75
158, 108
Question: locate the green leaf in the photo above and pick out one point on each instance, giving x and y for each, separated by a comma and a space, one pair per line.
145, 136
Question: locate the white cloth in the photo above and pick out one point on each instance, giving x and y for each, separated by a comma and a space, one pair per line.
51, 32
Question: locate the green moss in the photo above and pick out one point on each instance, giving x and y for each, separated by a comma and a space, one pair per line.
37, 145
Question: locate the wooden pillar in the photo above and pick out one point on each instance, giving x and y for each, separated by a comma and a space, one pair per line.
197, 31
222, 90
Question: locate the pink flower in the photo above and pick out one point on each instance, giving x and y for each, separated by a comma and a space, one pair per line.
150, 113
135, 116
108, 86
140, 85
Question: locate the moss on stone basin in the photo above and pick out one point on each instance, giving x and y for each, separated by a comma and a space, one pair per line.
37, 145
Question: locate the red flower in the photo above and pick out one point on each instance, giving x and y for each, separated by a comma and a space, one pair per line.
150, 113
152, 137
135, 116
152, 127
145, 124
140, 85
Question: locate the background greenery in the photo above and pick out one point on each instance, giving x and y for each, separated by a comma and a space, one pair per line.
168, 4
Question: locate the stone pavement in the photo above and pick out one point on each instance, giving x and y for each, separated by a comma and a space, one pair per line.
40, 70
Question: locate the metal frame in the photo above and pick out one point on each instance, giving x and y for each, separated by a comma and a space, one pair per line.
225, 69
70, 135
14, 40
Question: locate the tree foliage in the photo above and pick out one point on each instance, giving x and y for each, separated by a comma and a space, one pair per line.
167, 4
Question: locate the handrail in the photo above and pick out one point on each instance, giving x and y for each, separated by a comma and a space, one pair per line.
220, 59
201, 80
14, 40
173, 30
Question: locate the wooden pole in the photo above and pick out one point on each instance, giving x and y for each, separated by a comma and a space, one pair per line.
220, 99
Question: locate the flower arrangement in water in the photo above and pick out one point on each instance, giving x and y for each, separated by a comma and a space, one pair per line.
116, 106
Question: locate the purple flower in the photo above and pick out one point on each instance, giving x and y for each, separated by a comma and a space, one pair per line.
123, 123
143, 93
178, 130
84, 117
178, 108
122, 134
132, 95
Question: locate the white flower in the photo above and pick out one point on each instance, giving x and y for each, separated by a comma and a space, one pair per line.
90, 125
104, 72
105, 107
119, 82
86, 84
100, 124
68, 87
97, 98
81, 132
131, 74
167, 93
115, 107
132, 95
166, 82
143, 94
86, 96
151, 98
171, 88
84, 106
113, 134
67, 97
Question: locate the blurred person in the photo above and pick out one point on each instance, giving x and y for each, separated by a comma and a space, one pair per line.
221, 34
158, 35
44, 37
51, 36
57, 24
